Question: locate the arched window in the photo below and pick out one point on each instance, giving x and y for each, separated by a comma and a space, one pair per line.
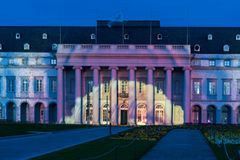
226, 48
26, 46
196, 112
238, 37
210, 37
126, 36
93, 36
159, 37
44, 36
54, 46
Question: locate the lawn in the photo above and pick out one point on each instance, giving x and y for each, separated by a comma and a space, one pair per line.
131, 144
11, 129
220, 135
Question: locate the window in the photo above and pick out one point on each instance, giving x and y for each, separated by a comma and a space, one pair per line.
177, 89
54, 46
238, 87
159, 86
212, 63
126, 36
1, 112
0, 46
159, 37
25, 84
10, 84
226, 88
196, 87
106, 86
140, 86
38, 84
227, 63
238, 37
11, 61
124, 86
93, 36
17, 36
226, 48
89, 86
53, 84
26, 46
53, 61
197, 48
212, 87
24, 61
210, 37
44, 36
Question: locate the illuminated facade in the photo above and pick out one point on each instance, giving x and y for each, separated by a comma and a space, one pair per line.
129, 73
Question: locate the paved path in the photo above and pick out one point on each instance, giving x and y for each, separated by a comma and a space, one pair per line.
181, 144
25, 147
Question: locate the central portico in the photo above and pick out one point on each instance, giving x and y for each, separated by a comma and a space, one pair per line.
134, 84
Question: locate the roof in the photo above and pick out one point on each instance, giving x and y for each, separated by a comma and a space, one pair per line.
128, 32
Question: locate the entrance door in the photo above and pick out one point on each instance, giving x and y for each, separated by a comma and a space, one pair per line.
123, 117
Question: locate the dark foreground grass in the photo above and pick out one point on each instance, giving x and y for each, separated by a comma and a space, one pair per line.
11, 129
127, 145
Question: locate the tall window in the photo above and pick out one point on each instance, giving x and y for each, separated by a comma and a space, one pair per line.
226, 88
124, 86
177, 87
11, 84
38, 84
53, 84
141, 86
212, 87
25, 84
238, 87
89, 86
196, 87
159, 86
106, 86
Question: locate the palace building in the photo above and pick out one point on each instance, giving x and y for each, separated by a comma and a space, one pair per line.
126, 73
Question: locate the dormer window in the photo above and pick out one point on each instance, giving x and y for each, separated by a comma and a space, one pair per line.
53, 61
226, 48
126, 36
197, 48
93, 36
54, 46
210, 37
44, 36
18, 36
159, 37
238, 37
26, 46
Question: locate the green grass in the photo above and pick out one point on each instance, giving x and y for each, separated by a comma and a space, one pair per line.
127, 145
11, 129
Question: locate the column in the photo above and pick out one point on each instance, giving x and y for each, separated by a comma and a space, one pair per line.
218, 116
18, 114
187, 94
46, 86
234, 116
114, 107
46, 114
204, 115
150, 95
96, 111
168, 107
31, 113
60, 114
132, 96
78, 95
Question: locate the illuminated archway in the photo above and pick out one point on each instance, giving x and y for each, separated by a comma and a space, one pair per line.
196, 114
39, 113
141, 114
52, 112
11, 111
24, 112
211, 114
226, 114
159, 114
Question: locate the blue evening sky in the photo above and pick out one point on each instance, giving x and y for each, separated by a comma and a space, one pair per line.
86, 12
